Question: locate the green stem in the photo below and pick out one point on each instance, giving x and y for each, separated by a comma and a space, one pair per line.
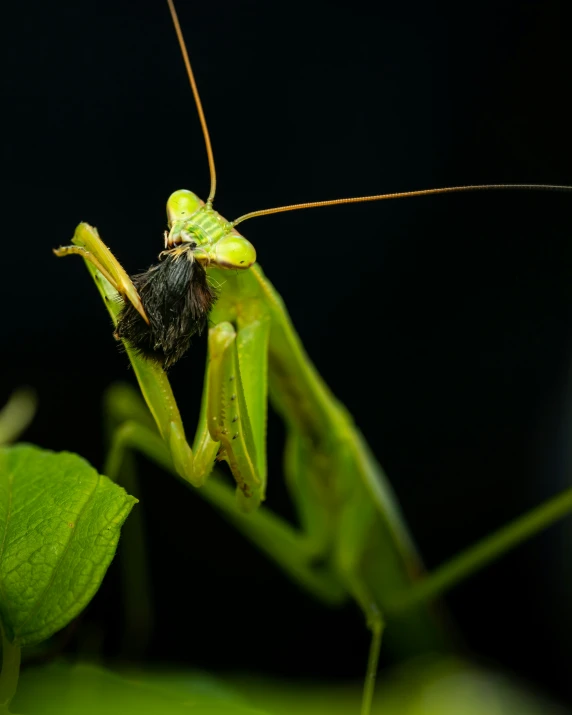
372, 665
485, 551
10, 672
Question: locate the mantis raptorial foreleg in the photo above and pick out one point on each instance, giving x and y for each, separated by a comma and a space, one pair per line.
226, 418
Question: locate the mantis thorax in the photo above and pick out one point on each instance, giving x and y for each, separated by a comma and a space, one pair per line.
217, 242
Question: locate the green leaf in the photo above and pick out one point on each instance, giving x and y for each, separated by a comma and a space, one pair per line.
59, 528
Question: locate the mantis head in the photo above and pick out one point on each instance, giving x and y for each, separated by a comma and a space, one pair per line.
217, 242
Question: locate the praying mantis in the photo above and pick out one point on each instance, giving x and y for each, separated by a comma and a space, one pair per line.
352, 541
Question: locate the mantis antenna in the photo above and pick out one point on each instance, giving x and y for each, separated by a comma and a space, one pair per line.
197, 97
331, 202
403, 195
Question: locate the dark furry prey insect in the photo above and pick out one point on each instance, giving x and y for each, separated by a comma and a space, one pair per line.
177, 299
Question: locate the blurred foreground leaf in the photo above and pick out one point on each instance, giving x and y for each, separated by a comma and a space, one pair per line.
425, 687
89, 690
59, 527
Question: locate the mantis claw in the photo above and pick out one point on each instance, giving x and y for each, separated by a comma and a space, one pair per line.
90, 247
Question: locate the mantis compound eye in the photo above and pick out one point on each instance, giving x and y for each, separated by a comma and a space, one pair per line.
181, 205
234, 251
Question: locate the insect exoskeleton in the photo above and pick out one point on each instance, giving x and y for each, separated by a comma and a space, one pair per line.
176, 294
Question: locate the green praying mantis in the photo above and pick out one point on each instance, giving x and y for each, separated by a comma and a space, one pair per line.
351, 540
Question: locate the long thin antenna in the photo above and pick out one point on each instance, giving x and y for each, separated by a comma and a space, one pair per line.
198, 102
403, 195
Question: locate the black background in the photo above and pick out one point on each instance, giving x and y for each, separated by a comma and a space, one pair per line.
443, 323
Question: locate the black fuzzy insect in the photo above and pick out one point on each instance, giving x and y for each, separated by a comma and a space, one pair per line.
177, 300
